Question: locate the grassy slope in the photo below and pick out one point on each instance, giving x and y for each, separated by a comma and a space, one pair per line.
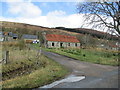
44, 73
94, 56
32, 29
42, 76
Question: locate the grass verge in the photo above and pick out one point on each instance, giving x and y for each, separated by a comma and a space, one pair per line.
45, 75
27, 69
89, 55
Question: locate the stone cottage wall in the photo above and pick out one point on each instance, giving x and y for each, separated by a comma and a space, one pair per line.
64, 44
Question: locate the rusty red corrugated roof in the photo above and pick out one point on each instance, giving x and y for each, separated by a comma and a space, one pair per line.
61, 38
114, 46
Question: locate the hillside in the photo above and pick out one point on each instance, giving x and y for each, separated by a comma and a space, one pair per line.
92, 32
33, 29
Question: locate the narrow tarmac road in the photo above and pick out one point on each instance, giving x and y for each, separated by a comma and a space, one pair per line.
96, 76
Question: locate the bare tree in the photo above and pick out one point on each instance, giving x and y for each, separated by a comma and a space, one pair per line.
87, 40
104, 15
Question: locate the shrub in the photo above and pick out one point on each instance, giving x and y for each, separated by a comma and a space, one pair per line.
107, 54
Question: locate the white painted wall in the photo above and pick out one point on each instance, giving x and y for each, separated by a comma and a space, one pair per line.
78, 44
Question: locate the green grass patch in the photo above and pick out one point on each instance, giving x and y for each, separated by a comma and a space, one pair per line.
22, 67
51, 72
26, 69
89, 55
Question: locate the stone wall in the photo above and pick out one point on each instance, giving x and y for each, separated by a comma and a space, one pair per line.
52, 44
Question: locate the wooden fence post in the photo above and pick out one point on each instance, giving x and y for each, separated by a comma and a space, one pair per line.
40, 51
6, 57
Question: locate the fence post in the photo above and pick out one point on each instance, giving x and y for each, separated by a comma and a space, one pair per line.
6, 57
40, 51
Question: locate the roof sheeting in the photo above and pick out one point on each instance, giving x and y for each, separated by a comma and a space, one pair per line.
1, 33
61, 38
2, 36
10, 34
27, 36
15, 35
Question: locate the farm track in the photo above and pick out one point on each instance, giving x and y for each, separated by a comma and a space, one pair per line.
97, 76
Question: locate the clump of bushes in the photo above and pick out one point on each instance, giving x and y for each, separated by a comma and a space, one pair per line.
72, 51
